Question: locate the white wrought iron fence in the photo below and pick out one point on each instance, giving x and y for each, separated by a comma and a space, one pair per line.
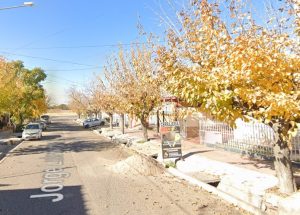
251, 138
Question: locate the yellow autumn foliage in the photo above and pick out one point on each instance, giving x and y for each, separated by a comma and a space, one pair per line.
21, 95
233, 68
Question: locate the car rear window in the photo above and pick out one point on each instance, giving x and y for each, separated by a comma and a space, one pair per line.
32, 127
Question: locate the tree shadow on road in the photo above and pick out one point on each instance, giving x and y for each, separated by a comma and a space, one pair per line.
19, 202
63, 126
76, 146
50, 137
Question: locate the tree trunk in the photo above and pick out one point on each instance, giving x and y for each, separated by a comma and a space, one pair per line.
157, 121
130, 122
145, 128
111, 121
21, 119
9, 120
145, 133
283, 167
175, 114
122, 124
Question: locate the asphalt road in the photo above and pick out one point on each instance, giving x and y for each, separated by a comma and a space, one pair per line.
69, 172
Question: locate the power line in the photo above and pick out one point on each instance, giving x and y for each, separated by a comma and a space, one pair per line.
48, 59
69, 47
40, 39
74, 69
62, 78
88, 46
56, 82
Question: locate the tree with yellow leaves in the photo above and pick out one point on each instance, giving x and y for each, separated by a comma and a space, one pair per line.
133, 78
11, 86
295, 9
21, 94
234, 68
104, 98
78, 101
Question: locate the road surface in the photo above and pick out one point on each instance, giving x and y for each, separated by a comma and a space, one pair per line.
70, 172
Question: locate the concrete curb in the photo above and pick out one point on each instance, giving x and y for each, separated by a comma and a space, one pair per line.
8, 153
233, 200
237, 202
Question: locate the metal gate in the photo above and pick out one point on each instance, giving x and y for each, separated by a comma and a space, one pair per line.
251, 138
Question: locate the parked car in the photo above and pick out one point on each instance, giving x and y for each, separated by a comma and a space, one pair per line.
32, 131
46, 119
88, 123
18, 130
43, 124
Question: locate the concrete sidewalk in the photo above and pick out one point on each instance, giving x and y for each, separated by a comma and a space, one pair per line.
192, 148
246, 179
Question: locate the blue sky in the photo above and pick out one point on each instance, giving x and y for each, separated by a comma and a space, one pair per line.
55, 29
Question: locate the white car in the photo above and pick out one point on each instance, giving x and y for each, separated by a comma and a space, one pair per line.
32, 131
88, 123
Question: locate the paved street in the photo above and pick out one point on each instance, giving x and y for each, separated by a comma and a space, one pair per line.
69, 172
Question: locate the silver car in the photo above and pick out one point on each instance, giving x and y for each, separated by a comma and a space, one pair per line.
32, 131
88, 123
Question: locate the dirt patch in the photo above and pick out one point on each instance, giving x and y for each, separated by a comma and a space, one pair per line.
139, 165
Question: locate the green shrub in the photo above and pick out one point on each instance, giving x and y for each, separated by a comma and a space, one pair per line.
170, 164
